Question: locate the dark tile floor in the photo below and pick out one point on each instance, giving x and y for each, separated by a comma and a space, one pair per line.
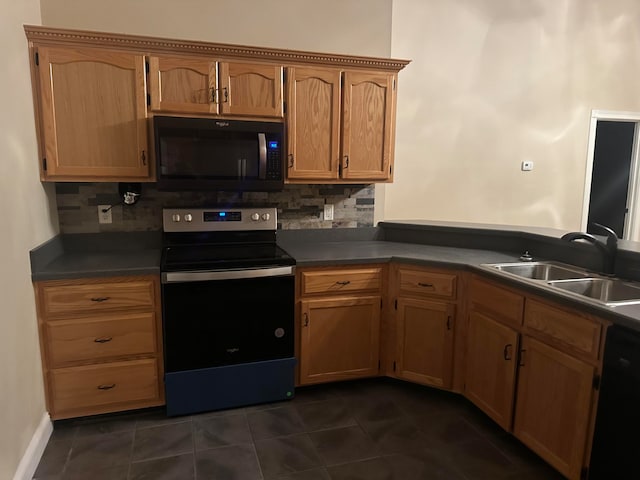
371, 429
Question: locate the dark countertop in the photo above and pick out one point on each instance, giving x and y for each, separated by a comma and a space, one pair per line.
96, 255
459, 246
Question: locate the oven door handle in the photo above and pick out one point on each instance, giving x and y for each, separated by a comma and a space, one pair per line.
182, 277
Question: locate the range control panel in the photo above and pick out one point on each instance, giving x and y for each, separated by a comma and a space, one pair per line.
218, 219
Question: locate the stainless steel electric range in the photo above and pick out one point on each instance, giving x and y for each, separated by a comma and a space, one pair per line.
228, 309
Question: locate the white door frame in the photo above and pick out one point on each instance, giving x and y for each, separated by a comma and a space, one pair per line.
632, 219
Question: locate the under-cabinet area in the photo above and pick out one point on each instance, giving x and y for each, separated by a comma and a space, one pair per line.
95, 95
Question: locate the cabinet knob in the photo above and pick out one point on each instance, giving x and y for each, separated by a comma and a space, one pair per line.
290, 157
306, 319
346, 161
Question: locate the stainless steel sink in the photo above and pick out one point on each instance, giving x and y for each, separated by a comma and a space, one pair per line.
573, 281
606, 290
541, 270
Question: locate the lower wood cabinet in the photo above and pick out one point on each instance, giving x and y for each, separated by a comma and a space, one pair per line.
424, 350
422, 321
340, 339
338, 322
492, 350
553, 405
533, 367
101, 344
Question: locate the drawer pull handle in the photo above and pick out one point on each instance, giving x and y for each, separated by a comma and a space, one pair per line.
506, 352
306, 319
100, 299
449, 322
343, 283
103, 339
426, 285
106, 387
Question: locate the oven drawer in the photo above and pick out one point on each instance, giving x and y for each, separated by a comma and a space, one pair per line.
91, 386
90, 340
346, 280
90, 298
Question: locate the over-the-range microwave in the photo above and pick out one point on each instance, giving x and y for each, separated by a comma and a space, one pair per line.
215, 154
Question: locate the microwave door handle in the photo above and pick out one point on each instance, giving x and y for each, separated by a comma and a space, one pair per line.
262, 147
244, 168
239, 168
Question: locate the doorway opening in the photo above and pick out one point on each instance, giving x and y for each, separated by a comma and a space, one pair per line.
611, 189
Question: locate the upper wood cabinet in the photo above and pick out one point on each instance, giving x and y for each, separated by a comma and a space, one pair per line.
94, 93
313, 121
92, 110
340, 124
367, 126
184, 84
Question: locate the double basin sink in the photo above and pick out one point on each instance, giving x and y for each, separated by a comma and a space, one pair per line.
573, 281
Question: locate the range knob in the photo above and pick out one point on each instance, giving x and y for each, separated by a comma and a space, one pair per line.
188, 217
255, 217
175, 217
266, 216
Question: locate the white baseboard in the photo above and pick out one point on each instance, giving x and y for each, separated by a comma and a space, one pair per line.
35, 449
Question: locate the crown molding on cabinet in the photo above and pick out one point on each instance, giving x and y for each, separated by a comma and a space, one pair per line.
144, 44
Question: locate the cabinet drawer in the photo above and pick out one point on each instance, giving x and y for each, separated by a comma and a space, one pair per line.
498, 303
90, 340
96, 297
573, 330
106, 384
341, 281
429, 284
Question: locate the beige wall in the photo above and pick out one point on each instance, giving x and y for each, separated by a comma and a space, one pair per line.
361, 27
26, 222
493, 83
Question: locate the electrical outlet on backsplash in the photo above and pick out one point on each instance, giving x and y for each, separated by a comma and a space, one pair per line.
299, 206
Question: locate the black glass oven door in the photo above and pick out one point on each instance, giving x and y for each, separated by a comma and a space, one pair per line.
227, 322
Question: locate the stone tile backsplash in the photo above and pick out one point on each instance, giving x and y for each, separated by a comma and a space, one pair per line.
299, 206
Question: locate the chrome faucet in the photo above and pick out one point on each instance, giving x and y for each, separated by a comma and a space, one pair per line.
608, 249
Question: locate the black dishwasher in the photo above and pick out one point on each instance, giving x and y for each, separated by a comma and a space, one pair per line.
616, 447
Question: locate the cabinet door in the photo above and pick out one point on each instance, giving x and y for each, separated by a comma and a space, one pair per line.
250, 89
491, 367
93, 106
553, 405
339, 338
313, 121
367, 130
183, 84
425, 341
